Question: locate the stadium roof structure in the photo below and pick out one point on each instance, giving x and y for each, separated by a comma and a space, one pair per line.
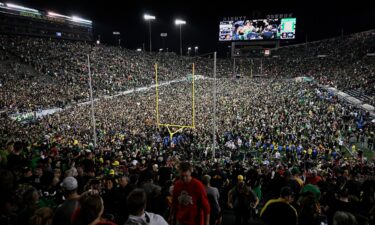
10, 8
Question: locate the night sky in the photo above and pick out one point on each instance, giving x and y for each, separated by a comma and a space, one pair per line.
318, 19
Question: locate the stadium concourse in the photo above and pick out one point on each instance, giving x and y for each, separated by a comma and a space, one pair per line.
293, 143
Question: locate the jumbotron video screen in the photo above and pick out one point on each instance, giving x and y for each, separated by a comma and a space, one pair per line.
258, 29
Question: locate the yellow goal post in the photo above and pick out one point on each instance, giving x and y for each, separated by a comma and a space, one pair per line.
170, 126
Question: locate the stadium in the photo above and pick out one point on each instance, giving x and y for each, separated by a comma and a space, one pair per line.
252, 123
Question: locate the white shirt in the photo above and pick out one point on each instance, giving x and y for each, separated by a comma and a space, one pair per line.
146, 219
277, 155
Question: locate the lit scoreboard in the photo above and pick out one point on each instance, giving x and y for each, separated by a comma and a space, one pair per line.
246, 29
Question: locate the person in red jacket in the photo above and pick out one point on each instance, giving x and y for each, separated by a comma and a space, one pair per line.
190, 205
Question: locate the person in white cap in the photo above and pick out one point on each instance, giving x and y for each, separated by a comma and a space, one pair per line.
64, 212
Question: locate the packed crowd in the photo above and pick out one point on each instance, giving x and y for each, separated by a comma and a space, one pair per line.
58, 73
281, 146
341, 62
265, 128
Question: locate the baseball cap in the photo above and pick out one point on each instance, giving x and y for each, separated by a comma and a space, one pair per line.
116, 163
69, 183
313, 189
111, 172
240, 178
134, 162
26, 169
295, 171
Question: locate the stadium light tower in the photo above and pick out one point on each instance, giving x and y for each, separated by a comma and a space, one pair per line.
179, 23
189, 49
149, 18
195, 50
116, 34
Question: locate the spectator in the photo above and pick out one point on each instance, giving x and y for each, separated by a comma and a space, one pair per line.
64, 212
280, 211
90, 210
42, 216
124, 190
344, 218
31, 201
243, 201
136, 203
190, 203
213, 198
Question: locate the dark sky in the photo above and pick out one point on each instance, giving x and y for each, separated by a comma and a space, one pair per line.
318, 19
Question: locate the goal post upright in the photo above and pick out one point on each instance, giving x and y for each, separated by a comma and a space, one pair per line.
193, 110
157, 94
168, 126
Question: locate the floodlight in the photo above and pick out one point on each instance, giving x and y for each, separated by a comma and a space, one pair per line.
149, 17
80, 20
58, 15
179, 22
14, 6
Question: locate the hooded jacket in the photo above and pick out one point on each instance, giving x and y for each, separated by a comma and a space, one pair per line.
146, 219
